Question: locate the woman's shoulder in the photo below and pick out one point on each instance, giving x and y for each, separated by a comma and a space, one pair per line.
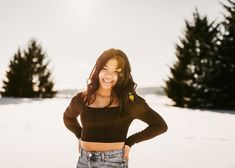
80, 94
135, 98
135, 101
78, 97
136, 104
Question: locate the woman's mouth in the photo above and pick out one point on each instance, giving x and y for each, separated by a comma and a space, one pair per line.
107, 81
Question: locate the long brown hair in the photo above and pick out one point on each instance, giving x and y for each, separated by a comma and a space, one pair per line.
124, 84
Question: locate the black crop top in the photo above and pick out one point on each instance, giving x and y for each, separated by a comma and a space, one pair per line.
104, 125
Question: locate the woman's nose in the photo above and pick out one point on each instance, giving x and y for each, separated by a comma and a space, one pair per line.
109, 74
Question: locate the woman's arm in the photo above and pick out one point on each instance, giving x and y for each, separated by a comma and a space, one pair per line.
70, 116
156, 124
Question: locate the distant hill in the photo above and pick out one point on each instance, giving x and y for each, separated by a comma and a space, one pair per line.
68, 93
150, 90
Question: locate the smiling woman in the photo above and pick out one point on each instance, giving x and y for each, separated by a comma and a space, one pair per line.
107, 108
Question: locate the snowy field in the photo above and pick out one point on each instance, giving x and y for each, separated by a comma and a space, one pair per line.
32, 135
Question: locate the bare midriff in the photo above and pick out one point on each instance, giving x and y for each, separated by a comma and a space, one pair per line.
101, 146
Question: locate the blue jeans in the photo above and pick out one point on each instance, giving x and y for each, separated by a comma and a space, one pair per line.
106, 159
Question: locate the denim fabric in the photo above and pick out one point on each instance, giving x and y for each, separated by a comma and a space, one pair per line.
107, 159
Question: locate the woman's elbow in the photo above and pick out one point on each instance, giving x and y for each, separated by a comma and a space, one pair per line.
164, 127
160, 128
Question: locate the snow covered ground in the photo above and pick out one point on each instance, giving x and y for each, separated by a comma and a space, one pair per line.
32, 135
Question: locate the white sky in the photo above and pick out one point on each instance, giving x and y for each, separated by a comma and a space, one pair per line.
75, 32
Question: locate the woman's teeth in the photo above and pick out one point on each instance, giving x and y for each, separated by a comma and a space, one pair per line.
107, 81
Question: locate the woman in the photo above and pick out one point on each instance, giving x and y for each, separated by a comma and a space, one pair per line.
106, 110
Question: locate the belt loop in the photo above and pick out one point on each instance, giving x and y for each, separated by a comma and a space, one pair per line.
123, 149
102, 156
81, 152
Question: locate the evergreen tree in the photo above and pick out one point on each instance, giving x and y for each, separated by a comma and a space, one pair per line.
28, 74
15, 77
189, 83
224, 95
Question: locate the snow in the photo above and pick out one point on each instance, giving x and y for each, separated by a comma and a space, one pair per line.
32, 135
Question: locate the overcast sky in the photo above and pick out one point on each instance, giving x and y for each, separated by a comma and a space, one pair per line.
75, 32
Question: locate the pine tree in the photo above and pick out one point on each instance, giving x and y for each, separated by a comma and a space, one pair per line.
189, 83
28, 74
15, 77
224, 81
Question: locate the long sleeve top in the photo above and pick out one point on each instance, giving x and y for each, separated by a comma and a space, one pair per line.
105, 125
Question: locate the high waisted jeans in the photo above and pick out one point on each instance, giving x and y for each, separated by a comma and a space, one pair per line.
107, 159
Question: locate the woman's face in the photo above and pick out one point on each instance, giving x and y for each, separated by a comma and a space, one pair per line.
108, 75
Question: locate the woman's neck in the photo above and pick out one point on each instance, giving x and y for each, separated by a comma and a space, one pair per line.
103, 92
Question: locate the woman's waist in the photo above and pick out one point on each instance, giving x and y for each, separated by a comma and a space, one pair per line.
102, 135
101, 146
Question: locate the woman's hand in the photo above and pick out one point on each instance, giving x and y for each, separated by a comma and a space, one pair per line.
126, 152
